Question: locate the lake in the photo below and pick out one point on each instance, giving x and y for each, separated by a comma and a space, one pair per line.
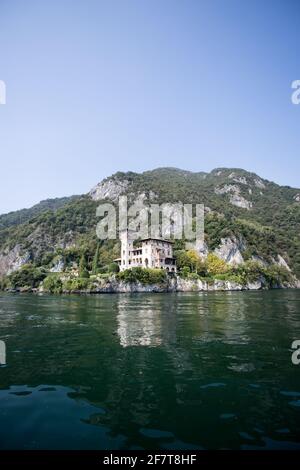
150, 371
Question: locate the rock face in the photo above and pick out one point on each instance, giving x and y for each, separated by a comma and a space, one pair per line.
188, 285
175, 284
109, 189
297, 197
230, 250
12, 260
44, 236
256, 285
58, 266
202, 249
227, 189
259, 184
281, 262
238, 179
259, 260
240, 201
235, 197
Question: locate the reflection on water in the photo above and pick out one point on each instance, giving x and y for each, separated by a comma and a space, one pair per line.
154, 371
2, 353
150, 321
138, 327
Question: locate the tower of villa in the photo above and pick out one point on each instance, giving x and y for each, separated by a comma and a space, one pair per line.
145, 253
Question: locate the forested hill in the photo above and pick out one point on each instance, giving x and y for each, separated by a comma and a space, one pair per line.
22, 215
247, 218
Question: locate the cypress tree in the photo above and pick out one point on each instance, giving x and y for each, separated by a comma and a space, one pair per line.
83, 271
95, 263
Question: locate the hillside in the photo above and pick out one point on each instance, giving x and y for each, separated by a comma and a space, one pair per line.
22, 215
247, 218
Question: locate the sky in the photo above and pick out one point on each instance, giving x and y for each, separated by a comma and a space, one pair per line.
99, 86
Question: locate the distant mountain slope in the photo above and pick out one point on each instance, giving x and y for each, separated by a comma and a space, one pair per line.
22, 215
247, 217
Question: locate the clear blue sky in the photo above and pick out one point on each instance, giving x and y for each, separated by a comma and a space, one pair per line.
94, 87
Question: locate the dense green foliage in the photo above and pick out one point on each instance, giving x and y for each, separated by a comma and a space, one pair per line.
27, 276
63, 230
23, 215
144, 276
270, 228
248, 272
53, 284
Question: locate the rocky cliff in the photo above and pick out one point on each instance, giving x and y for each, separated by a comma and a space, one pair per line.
246, 218
174, 284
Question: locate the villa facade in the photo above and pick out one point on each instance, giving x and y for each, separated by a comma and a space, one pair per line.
147, 253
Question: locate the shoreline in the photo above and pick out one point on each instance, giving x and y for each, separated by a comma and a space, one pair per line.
177, 285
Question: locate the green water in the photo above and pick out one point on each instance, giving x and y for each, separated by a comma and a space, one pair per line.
151, 371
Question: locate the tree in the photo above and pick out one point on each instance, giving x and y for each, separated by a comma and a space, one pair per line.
194, 260
190, 259
83, 271
95, 263
28, 275
84, 274
113, 268
215, 265
53, 284
185, 271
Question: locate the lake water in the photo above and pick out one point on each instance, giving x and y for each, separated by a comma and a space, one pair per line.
151, 371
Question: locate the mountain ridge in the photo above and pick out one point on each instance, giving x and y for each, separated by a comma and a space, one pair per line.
58, 202
251, 216
22, 215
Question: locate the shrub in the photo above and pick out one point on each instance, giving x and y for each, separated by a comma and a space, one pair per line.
216, 265
185, 271
53, 284
190, 259
28, 275
230, 277
193, 276
113, 268
84, 274
145, 276
276, 275
104, 276
75, 284
102, 270
4, 283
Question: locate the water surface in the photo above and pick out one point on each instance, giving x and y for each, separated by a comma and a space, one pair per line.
150, 371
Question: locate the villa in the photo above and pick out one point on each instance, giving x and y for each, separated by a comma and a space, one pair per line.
150, 253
